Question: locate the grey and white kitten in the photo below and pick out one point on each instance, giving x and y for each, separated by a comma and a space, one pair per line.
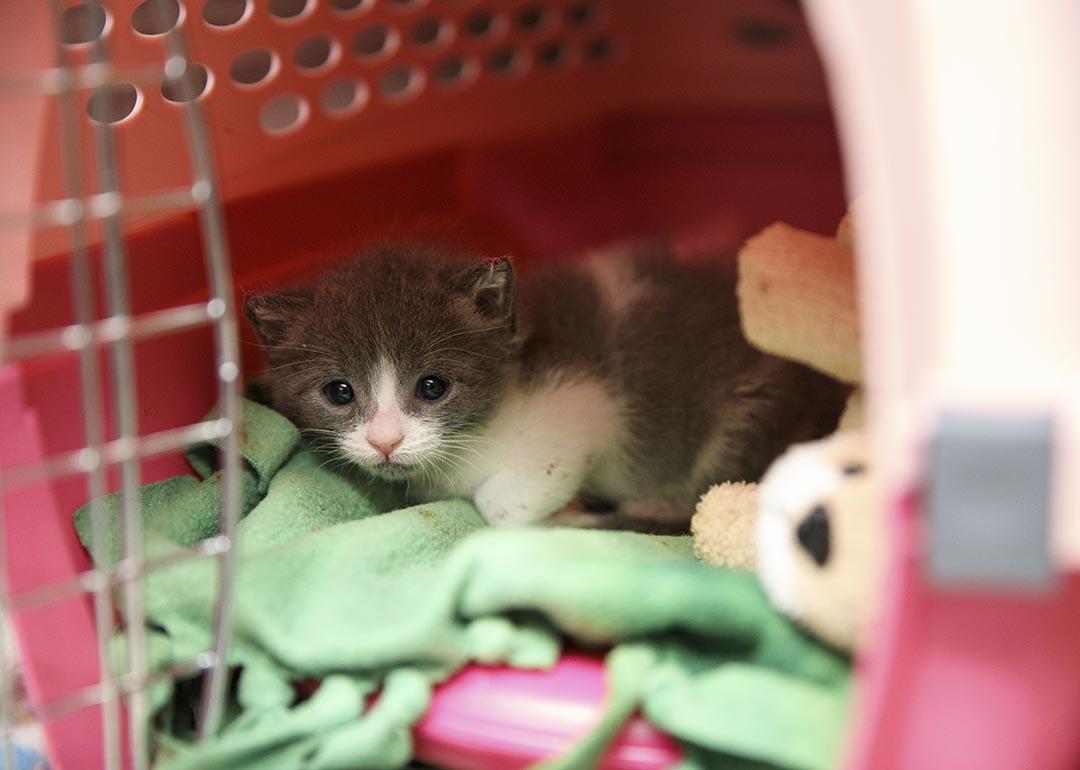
620, 379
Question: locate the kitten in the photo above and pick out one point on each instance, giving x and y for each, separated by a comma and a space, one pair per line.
621, 380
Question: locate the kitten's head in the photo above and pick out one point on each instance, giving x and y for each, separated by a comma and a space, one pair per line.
391, 360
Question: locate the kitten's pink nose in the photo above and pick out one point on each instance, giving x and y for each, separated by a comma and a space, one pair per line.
384, 433
385, 446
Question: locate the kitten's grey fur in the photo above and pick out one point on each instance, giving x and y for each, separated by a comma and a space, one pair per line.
623, 378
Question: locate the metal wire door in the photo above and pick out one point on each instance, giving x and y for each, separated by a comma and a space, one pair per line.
122, 695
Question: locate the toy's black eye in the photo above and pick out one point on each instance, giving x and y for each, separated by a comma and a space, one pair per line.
813, 535
431, 387
338, 392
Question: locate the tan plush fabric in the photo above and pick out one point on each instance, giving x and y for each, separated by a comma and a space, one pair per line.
854, 416
798, 301
848, 227
845, 232
724, 525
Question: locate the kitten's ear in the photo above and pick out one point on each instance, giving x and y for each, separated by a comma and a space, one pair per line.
490, 286
271, 314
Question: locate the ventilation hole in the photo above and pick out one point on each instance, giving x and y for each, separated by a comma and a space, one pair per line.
400, 82
532, 18
429, 32
114, 103
350, 6
155, 17
600, 50
375, 42
554, 54
83, 23
189, 86
454, 70
506, 61
344, 97
481, 24
225, 13
582, 14
288, 10
283, 114
762, 33
317, 53
252, 67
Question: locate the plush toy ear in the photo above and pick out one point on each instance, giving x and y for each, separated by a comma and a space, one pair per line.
271, 314
490, 286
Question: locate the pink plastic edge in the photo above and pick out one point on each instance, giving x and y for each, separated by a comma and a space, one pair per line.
502, 718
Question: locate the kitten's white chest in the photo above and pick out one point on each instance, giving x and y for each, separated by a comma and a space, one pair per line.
535, 453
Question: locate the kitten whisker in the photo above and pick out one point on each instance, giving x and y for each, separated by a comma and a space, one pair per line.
422, 466
450, 336
471, 353
465, 447
446, 477
288, 364
469, 439
305, 348
457, 461
296, 375
320, 432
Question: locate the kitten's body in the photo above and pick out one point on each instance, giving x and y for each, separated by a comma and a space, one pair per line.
620, 378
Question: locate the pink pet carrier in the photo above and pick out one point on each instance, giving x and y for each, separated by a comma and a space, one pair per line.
160, 155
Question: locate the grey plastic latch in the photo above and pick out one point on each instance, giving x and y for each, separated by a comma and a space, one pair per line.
989, 501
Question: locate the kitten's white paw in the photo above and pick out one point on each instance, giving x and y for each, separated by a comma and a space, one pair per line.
512, 500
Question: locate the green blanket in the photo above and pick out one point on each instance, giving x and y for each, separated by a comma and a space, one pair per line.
328, 589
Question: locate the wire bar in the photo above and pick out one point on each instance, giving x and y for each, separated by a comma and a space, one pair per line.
78, 337
97, 579
67, 211
127, 686
116, 452
122, 356
219, 273
82, 286
68, 79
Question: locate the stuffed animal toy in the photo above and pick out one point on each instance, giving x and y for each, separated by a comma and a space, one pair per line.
811, 529
819, 538
797, 300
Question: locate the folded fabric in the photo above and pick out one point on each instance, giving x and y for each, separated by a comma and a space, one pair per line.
336, 582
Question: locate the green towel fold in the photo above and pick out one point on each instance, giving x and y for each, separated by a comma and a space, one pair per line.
328, 589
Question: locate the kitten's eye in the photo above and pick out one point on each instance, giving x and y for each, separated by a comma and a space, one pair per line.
431, 387
338, 392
